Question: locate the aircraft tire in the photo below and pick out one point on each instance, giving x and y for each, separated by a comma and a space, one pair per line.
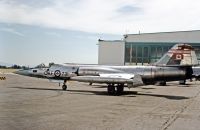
162, 83
64, 87
111, 89
120, 89
182, 82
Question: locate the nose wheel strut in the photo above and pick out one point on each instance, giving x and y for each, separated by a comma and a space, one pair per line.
64, 86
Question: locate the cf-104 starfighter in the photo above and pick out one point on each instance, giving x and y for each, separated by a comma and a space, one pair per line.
175, 65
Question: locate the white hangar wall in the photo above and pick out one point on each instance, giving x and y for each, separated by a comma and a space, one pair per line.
111, 52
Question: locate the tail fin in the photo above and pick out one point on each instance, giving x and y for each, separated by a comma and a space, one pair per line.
179, 55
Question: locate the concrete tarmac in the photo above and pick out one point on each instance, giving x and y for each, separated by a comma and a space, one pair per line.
36, 104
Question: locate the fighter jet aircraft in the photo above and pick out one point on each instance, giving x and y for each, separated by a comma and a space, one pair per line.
175, 65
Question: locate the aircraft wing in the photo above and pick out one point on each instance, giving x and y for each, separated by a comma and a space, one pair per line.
122, 78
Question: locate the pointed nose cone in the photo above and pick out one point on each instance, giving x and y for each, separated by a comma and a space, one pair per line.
38, 73
23, 72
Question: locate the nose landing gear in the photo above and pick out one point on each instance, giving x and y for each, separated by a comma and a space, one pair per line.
64, 86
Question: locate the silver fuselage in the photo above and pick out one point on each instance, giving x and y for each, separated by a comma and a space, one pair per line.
149, 74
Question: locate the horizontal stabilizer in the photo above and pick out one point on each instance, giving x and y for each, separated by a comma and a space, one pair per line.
136, 82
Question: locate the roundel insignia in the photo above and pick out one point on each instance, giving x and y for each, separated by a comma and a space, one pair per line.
45, 73
179, 56
57, 73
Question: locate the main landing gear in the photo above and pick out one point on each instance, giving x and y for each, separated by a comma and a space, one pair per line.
115, 90
182, 82
112, 88
162, 83
64, 86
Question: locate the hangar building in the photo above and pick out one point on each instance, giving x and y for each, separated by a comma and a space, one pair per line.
145, 48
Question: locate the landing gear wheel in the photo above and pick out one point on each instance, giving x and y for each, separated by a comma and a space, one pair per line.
120, 89
64, 87
162, 83
182, 82
111, 89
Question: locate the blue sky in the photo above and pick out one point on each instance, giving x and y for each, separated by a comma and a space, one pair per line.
60, 31
31, 45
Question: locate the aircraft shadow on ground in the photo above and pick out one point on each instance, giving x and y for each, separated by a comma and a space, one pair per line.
104, 93
172, 97
51, 89
148, 88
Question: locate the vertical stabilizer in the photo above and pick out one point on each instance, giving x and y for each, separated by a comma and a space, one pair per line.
179, 55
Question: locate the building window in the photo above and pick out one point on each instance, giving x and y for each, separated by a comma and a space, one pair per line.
197, 51
133, 51
133, 54
165, 49
139, 51
146, 52
139, 60
159, 52
127, 52
153, 52
145, 60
